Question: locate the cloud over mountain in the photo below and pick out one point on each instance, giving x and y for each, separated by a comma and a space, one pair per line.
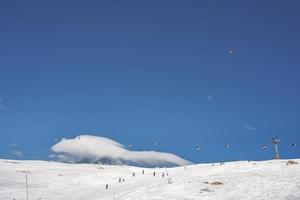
95, 149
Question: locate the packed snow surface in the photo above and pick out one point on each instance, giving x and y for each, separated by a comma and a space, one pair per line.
265, 180
96, 149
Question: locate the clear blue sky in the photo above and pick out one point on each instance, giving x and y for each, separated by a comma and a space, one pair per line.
151, 70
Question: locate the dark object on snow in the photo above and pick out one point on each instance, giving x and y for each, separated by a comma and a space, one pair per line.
120, 180
106, 187
143, 172
163, 175
216, 183
133, 174
291, 162
205, 190
153, 173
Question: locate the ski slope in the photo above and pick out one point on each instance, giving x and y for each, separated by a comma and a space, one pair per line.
243, 180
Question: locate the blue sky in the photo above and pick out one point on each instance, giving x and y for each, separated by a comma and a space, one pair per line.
181, 73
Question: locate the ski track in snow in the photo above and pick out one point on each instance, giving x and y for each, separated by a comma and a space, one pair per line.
242, 180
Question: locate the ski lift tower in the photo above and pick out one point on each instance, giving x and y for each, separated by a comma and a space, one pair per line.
276, 141
26, 174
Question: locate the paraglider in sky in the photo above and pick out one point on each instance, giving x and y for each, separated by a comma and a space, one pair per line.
154, 143
263, 146
294, 145
197, 148
231, 51
226, 145
129, 146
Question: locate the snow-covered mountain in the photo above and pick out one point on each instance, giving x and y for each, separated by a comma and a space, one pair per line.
265, 180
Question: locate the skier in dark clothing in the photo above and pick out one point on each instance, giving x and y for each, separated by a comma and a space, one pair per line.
106, 187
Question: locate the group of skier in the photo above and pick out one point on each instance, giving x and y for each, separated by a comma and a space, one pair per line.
143, 172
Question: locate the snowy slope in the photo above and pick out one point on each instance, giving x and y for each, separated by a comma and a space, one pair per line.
240, 180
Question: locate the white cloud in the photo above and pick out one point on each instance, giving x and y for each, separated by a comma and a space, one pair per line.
17, 153
250, 128
210, 97
87, 148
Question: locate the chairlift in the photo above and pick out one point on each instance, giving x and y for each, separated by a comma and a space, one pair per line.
263, 146
231, 51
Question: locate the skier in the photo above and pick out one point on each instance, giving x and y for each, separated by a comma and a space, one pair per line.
133, 174
163, 174
153, 173
143, 172
120, 180
106, 187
